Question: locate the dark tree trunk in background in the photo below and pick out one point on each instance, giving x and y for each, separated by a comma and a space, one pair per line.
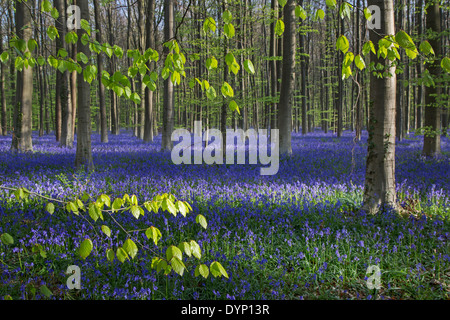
3, 124
303, 68
101, 87
23, 125
168, 85
401, 25
83, 158
379, 187
432, 140
148, 129
66, 134
273, 63
288, 78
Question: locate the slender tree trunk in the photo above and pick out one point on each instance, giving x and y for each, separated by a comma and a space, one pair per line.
66, 134
148, 129
3, 125
288, 78
419, 18
83, 158
22, 140
273, 63
167, 143
101, 87
432, 140
379, 188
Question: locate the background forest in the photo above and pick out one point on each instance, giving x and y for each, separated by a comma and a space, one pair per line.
91, 92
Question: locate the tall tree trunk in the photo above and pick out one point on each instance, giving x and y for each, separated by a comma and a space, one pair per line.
101, 87
379, 188
66, 134
3, 124
288, 78
73, 85
401, 25
83, 158
168, 85
22, 140
419, 18
273, 63
148, 129
114, 123
303, 68
432, 140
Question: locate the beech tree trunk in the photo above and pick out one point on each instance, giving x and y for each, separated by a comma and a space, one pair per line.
23, 125
432, 139
83, 158
379, 187
148, 126
62, 81
288, 79
3, 126
101, 87
167, 143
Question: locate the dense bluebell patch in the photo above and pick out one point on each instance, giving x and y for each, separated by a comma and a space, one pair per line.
295, 235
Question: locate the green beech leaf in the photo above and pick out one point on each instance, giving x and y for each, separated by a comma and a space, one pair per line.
7, 239
320, 14
227, 90
279, 27
177, 265
248, 66
154, 234
130, 248
195, 249
359, 62
184, 246
234, 107
50, 208
229, 30
218, 270
173, 251
331, 3
121, 254
425, 48
202, 270
300, 12
110, 255
227, 16
342, 44
106, 230
445, 64
85, 248
200, 219
405, 41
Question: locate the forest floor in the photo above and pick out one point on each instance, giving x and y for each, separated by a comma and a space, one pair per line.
294, 235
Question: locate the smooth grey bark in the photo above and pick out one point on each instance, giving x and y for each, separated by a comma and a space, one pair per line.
432, 139
148, 125
379, 187
101, 87
288, 79
3, 124
23, 125
273, 63
166, 143
83, 158
63, 79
